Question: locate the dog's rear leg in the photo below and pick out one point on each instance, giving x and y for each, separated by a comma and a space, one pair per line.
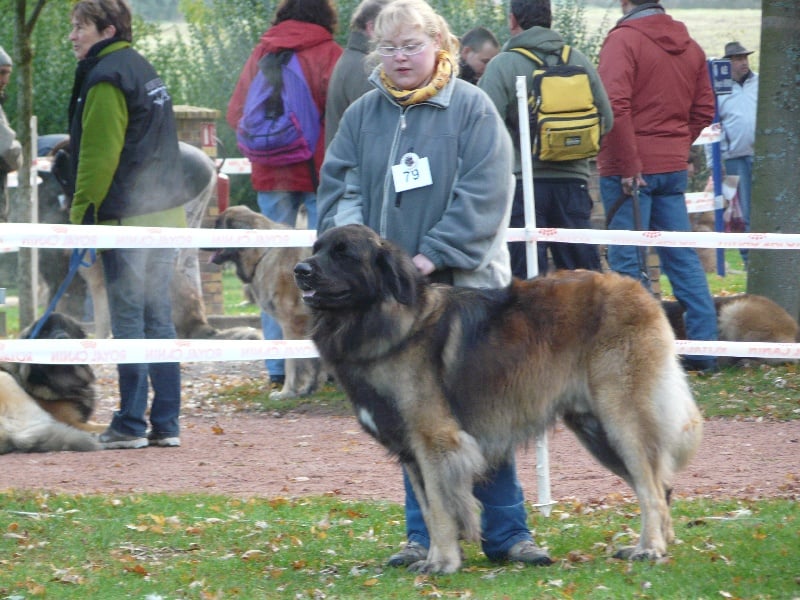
634, 456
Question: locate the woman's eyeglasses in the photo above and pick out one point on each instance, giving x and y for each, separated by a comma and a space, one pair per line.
407, 50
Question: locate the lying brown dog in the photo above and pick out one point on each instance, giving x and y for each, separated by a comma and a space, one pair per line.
46, 407
743, 318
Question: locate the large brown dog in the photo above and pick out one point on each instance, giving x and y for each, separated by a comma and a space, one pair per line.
269, 274
452, 380
45, 407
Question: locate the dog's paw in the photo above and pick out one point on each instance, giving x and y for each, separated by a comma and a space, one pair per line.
439, 561
283, 394
429, 567
637, 553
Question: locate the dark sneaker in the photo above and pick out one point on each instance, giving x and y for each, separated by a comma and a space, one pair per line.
111, 439
164, 440
704, 367
411, 553
529, 553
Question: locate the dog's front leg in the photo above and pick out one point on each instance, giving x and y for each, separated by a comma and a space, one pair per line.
444, 552
449, 461
289, 389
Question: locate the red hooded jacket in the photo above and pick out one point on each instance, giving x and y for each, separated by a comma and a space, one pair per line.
317, 53
657, 81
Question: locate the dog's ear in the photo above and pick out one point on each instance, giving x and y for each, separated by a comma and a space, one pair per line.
61, 170
398, 273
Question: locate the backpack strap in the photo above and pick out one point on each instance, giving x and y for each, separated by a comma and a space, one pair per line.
529, 54
566, 51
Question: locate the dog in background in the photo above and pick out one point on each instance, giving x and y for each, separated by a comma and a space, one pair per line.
188, 309
268, 273
46, 408
452, 380
743, 318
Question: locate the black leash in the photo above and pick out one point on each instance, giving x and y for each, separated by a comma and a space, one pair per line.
76, 260
641, 251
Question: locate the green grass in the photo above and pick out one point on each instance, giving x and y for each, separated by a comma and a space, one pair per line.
193, 546
233, 297
733, 282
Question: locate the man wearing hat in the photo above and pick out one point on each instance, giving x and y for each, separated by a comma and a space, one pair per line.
737, 115
10, 149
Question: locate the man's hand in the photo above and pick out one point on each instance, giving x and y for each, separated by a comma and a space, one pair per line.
631, 183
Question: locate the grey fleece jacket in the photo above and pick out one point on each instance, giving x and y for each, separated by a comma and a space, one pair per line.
459, 221
499, 81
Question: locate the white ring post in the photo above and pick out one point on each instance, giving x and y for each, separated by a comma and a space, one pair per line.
526, 159
34, 212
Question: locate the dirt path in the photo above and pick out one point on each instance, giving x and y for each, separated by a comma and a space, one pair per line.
307, 454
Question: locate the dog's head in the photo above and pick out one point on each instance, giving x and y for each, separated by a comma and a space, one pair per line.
47, 382
352, 267
58, 326
245, 259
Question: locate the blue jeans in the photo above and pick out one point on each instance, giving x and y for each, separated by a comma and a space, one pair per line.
563, 203
663, 208
138, 289
282, 207
743, 167
504, 521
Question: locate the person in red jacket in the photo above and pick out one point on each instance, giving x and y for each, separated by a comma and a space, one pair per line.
657, 80
305, 26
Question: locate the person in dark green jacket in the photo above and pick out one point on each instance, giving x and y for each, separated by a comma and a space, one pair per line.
126, 171
561, 189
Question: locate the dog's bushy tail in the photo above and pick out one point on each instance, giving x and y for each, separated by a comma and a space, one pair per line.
52, 437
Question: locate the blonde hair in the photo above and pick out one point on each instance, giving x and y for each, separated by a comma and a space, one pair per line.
419, 14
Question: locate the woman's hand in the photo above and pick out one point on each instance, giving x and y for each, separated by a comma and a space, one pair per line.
423, 264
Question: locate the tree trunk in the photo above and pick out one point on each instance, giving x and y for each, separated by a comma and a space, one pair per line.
21, 210
776, 170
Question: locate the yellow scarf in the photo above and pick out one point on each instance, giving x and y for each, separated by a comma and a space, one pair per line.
443, 70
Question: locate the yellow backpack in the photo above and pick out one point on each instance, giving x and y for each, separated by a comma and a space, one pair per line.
565, 122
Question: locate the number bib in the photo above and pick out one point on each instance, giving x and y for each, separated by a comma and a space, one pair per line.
412, 172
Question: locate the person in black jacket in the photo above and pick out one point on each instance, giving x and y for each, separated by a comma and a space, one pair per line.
10, 148
126, 171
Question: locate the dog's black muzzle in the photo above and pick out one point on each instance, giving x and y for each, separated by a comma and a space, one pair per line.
303, 272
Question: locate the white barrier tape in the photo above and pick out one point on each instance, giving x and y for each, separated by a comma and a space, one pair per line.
92, 351
709, 135
43, 164
42, 235
156, 350
687, 239
703, 201
740, 349
234, 166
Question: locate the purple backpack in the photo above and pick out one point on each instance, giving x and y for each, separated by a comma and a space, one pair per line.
280, 124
